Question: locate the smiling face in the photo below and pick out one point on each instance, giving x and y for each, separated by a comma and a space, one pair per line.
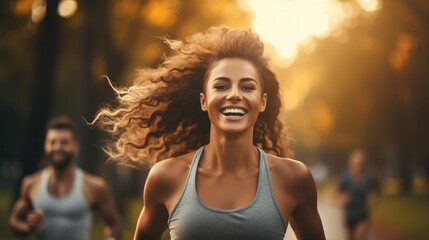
233, 95
61, 147
357, 162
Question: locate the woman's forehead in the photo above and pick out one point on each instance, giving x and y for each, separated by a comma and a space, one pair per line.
233, 68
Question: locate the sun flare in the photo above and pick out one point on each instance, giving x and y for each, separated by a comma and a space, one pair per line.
291, 24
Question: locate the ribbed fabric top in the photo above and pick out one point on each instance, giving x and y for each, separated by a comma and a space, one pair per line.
259, 219
65, 218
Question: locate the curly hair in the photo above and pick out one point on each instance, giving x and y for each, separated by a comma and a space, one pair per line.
160, 115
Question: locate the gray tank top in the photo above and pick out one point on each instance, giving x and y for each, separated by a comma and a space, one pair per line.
66, 218
259, 219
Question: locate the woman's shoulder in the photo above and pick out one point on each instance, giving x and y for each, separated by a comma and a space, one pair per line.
289, 171
287, 166
173, 165
291, 176
169, 170
166, 177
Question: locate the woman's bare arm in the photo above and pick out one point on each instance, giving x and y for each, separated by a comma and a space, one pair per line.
305, 219
153, 218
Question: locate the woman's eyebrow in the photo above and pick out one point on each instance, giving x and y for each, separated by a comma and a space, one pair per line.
245, 79
222, 79
248, 79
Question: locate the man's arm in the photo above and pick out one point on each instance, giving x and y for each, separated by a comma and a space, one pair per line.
108, 211
23, 219
305, 219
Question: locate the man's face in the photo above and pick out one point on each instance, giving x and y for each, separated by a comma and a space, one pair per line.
61, 147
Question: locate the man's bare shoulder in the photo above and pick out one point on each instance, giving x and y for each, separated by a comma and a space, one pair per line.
30, 181
94, 182
34, 176
95, 188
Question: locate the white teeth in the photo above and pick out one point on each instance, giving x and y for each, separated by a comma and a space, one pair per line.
233, 110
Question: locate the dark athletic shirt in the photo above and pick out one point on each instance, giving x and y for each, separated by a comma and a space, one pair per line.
357, 207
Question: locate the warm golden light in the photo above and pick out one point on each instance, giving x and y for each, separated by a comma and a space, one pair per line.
322, 117
298, 86
161, 13
399, 57
22, 8
290, 25
38, 10
370, 5
67, 8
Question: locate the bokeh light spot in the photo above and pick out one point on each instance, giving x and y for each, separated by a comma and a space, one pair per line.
67, 8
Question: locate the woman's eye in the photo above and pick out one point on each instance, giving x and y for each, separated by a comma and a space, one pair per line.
220, 87
248, 88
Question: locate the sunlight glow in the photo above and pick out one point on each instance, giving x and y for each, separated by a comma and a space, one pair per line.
161, 13
67, 8
370, 5
290, 25
38, 10
405, 43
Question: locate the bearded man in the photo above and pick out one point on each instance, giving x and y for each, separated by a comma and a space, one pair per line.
58, 201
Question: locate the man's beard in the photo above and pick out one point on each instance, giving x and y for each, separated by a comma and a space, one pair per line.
63, 163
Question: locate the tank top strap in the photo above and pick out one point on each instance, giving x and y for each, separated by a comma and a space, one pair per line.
263, 178
78, 178
189, 187
193, 171
267, 194
45, 176
43, 187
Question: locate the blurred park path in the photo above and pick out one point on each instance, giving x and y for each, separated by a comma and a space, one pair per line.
331, 216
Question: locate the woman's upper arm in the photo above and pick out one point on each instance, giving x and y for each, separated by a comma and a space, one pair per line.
305, 218
154, 216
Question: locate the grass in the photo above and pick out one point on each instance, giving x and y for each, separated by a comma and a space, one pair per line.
407, 214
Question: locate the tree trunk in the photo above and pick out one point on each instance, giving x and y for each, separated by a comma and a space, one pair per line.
41, 95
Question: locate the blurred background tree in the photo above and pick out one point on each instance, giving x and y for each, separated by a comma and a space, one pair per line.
365, 87
53, 55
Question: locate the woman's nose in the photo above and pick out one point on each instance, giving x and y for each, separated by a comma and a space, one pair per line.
234, 94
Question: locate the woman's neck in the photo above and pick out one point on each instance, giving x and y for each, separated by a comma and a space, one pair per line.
230, 152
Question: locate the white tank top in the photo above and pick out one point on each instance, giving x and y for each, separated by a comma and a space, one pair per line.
65, 218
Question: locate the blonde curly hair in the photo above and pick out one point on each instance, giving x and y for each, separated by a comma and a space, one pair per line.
160, 115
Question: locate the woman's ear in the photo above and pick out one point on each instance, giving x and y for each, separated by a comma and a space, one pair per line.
263, 104
203, 102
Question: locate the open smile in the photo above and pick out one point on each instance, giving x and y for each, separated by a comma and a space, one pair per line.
233, 112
